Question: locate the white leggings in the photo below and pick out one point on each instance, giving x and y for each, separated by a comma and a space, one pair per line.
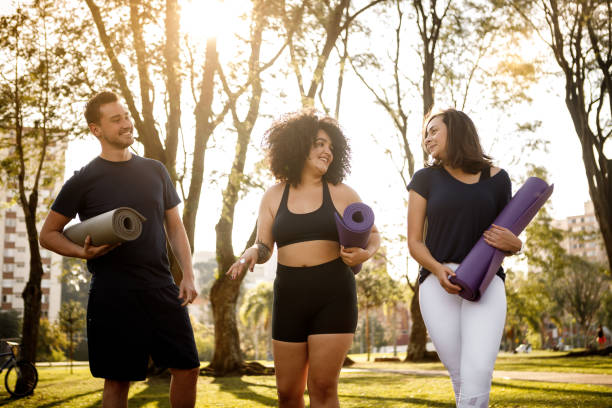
466, 336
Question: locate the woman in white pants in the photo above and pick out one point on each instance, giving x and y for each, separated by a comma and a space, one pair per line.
455, 198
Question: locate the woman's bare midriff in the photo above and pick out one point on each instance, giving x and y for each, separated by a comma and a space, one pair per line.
309, 253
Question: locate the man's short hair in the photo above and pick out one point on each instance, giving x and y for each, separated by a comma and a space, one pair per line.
92, 109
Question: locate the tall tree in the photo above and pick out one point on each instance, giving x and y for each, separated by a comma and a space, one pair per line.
374, 288
256, 311
309, 24
227, 358
579, 34
580, 291
36, 88
450, 45
135, 18
71, 321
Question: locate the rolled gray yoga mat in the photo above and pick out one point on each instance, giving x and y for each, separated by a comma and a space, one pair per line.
119, 225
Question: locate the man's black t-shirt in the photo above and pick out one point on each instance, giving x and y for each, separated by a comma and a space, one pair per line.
458, 213
142, 184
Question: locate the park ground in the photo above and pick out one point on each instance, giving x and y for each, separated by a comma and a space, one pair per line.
539, 379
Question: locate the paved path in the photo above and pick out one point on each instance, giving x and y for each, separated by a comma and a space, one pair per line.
545, 376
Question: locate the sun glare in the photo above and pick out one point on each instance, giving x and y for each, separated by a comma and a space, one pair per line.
202, 19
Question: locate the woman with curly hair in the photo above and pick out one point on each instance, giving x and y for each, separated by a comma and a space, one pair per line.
315, 302
459, 194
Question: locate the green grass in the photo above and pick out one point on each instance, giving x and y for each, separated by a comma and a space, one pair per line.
58, 388
535, 361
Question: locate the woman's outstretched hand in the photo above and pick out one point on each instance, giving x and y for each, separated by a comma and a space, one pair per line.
502, 239
246, 261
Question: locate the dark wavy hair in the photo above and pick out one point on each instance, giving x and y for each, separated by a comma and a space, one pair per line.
463, 148
92, 109
289, 140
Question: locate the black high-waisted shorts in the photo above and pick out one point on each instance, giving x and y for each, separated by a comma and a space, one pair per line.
320, 299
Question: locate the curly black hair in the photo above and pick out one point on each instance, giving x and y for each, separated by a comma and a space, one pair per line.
289, 140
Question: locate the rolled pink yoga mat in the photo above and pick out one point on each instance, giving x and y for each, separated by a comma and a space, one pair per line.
354, 227
483, 261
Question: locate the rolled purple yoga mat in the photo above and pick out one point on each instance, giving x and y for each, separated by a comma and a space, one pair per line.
354, 227
483, 261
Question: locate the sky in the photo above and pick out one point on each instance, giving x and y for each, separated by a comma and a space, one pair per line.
369, 130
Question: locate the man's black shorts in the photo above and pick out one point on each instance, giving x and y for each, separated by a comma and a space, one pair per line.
125, 327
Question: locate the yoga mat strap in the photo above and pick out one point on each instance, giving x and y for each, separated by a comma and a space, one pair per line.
354, 227
119, 225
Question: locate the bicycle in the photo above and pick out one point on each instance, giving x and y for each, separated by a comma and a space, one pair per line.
22, 376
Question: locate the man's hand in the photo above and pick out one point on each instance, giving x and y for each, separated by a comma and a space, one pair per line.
91, 251
187, 291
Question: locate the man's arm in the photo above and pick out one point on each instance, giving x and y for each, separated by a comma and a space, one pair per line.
177, 237
51, 238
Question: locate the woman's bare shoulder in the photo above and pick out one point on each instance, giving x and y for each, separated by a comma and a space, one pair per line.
343, 193
272, 197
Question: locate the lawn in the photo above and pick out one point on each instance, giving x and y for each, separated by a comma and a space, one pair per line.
59, 388
534, 361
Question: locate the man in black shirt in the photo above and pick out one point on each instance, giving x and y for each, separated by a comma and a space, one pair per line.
135, 310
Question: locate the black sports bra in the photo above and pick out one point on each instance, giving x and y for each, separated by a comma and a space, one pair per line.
290, 228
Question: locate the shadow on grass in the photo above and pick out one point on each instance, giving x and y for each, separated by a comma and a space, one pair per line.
365, 379
370, 380
156, 389
58, 403
554, 388
415, 401
244, 390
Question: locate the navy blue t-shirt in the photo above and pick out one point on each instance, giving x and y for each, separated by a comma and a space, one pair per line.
142, 184
458, 213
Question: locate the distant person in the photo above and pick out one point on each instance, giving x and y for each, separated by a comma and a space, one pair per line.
135, 310
455, 199
315, 301
601, 337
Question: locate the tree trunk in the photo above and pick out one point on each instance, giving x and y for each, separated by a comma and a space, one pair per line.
71, 349
418, 333
367, 332
227, 359
173, 84
32, 292
204, 129
572, 55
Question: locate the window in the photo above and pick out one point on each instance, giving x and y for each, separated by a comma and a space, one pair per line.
20, 249
19, 279
9, 252
11, 222
44, 298
8, 267
4, 299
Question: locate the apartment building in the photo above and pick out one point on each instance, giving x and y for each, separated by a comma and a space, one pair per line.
15, 260
585, 239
